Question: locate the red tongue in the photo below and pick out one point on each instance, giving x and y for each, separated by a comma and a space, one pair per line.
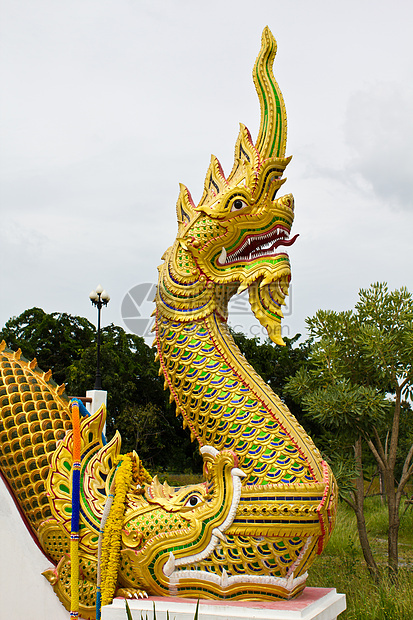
285, 242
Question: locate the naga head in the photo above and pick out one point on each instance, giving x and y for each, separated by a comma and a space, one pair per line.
236, 238
167, 530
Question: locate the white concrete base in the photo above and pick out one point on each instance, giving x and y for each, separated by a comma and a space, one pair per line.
24, 592
312, 604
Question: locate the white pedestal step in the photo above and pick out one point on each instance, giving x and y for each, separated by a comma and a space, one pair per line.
312, 604
24, 592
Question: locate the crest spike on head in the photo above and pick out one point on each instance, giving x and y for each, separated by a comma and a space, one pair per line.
245, 153
245, 149
184, 207
272, 136
247, 159
215, 181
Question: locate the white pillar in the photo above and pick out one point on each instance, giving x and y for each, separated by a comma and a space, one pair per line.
98, 397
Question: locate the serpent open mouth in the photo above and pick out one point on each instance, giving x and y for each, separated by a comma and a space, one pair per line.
257, 246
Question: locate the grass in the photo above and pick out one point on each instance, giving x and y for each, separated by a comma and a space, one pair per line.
341, 566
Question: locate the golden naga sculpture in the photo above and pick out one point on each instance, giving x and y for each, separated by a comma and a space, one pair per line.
267, 506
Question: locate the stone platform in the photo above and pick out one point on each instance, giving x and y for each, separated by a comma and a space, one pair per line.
312, 604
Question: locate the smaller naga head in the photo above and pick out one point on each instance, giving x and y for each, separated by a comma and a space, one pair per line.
237, 236
167, 529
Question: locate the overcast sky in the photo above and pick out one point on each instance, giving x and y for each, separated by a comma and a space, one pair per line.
108, 104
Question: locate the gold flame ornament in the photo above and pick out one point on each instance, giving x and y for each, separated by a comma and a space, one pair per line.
268, 502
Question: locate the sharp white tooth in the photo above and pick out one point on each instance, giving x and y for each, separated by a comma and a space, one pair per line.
219, 534
169, 567
222, 257
235, 471
209, 450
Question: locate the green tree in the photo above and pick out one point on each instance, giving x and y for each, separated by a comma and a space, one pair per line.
159, 438
275, 364
357, 386
54, 339
129, 372
137, 405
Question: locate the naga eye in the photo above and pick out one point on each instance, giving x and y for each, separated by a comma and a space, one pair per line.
238, 204
193, 501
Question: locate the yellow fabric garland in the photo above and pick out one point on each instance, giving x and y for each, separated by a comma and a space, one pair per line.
113, 530
141, 476
130, 470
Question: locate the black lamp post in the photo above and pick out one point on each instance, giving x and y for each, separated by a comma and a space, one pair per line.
99, 298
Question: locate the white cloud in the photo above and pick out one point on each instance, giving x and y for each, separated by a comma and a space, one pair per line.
379, 131
106, 106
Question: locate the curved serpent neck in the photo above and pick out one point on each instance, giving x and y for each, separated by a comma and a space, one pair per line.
226, 404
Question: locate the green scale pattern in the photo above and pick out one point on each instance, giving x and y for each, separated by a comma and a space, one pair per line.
222, 410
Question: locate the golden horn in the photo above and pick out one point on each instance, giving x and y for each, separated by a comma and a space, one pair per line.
272, 137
